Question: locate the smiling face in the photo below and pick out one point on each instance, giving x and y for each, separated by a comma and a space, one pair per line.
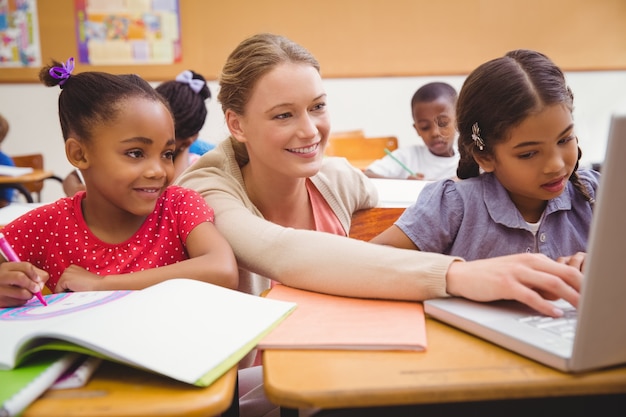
434, 122
286, 124
130, 159
536, 161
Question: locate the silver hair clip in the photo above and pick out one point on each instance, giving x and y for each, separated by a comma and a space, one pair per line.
480, 144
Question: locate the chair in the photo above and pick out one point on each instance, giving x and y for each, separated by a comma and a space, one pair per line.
34, 161
359, 150
348, 133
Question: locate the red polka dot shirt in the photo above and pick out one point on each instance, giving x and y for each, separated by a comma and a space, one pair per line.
55, 236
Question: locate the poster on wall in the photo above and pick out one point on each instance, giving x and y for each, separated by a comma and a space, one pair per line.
19, 34
128, 32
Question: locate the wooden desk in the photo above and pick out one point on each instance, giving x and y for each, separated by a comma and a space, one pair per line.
369, 223
118, 390
456, 368
36, 175
18, 182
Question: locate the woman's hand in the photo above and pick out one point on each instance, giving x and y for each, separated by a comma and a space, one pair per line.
532, 279
576, 260
19, 281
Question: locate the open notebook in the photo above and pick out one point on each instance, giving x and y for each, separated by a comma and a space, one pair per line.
595, 336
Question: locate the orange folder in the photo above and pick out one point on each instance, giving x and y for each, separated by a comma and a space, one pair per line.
322, 321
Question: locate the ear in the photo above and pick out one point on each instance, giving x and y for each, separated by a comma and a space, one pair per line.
76, 153
234, 123
484, 161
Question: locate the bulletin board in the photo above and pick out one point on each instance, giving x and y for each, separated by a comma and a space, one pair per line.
371, 38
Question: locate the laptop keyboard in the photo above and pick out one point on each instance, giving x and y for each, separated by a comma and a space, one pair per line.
564, 326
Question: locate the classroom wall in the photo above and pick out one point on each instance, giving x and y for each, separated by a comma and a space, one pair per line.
373, 38
374, 55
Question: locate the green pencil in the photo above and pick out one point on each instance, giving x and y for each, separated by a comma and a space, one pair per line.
388, 152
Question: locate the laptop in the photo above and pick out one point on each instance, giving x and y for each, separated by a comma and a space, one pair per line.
594, 334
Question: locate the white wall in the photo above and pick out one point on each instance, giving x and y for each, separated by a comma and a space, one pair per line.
380, 106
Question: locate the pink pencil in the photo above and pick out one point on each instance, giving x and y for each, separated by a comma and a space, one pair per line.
12, 256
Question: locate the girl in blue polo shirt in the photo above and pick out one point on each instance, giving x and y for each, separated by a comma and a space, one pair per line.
520, 189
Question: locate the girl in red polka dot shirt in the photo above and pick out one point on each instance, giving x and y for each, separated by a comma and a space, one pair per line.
132, 229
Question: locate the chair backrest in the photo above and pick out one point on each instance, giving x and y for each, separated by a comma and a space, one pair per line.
34, 161
358, 133
360, 151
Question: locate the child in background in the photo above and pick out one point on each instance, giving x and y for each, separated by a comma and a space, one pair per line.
432, 107
515, 124
131, 229
197, 149
186, 95
6, 193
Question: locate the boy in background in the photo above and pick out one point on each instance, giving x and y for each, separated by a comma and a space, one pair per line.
434, 120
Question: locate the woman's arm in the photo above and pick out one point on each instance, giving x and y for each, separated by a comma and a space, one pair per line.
312, 260
338, 265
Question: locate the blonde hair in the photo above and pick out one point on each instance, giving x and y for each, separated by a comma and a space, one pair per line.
250, 60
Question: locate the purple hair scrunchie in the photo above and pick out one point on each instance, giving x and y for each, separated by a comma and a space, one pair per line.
63, 72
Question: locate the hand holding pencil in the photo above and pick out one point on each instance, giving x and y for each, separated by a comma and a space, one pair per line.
412, 175
17, 276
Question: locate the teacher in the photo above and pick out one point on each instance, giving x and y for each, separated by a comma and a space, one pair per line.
286, 209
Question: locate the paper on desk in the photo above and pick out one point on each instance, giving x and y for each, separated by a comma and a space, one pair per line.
11, 171
398, 193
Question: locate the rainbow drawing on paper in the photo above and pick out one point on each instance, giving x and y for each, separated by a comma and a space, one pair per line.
60, 304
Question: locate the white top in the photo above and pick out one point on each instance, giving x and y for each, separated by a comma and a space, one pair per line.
420, 160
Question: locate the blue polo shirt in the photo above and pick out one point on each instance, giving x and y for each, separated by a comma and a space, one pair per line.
476, 219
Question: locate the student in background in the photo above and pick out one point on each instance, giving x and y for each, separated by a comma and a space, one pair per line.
131, 228
273, 191
197, 149
6, 193
432, 107
73, 183
521, 189
186, 95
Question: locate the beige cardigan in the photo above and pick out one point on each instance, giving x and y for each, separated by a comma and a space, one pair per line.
312, 260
